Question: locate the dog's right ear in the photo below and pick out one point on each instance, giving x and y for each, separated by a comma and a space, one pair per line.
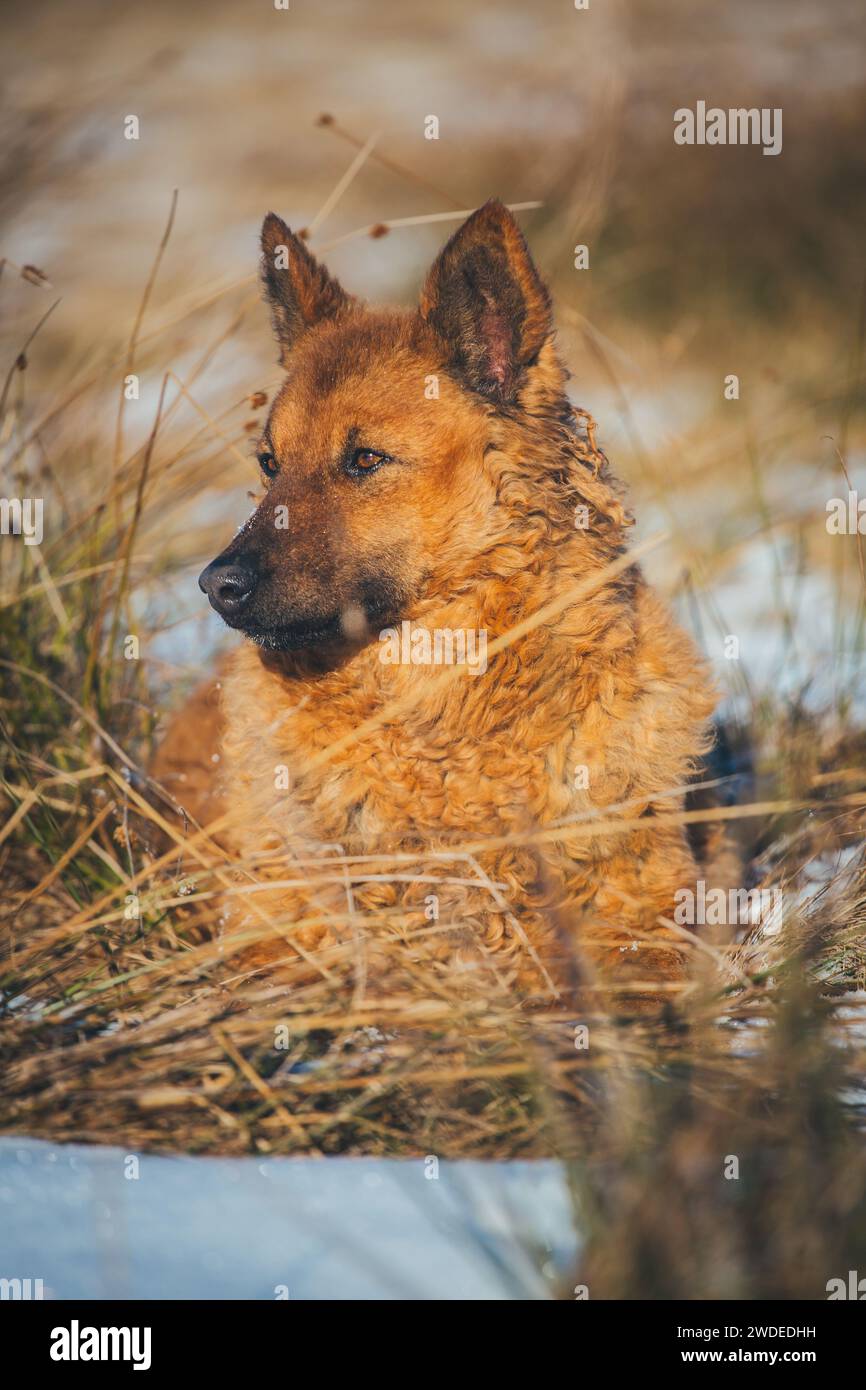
298, 289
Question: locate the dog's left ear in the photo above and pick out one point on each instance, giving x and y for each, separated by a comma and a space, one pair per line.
300, 292
487, 303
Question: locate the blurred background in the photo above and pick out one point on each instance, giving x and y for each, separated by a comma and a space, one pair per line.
703, 262
138, 258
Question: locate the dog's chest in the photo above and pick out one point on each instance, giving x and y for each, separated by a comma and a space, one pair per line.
327, 766
399, 783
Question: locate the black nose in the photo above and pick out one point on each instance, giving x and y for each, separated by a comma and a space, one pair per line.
228, 587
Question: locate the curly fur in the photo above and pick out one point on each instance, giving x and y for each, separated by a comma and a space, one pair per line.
610, 682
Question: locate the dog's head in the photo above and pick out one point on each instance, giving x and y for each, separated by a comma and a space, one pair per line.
373, 452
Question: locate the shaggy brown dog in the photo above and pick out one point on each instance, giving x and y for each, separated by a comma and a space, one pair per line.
427, 466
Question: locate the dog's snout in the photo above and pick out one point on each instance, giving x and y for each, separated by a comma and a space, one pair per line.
228, 587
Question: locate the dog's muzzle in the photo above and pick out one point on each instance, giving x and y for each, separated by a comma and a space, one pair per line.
229, 588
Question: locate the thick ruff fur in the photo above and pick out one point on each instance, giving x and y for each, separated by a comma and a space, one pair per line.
517, 776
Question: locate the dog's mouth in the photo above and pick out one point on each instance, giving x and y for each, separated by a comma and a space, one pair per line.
295, 637
349, 629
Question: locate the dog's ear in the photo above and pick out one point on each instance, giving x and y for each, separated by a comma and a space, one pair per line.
487, 303
298, 289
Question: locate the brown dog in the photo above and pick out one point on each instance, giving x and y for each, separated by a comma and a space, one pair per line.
430, 496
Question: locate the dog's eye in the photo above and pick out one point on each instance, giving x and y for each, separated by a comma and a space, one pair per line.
365, 461
268, 465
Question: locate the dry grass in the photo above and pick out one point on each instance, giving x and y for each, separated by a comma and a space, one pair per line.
140, 1029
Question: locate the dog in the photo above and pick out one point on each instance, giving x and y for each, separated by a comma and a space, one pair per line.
425, 472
